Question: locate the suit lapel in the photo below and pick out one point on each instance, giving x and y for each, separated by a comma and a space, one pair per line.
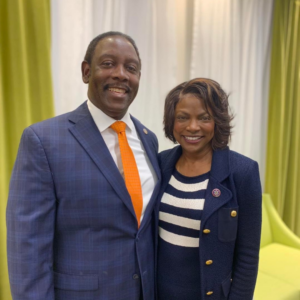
151, 152
87, 134
152, 155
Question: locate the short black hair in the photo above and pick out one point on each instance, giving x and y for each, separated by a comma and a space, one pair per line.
214, 98
93, 44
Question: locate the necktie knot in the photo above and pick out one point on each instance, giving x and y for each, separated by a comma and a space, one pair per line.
118, 126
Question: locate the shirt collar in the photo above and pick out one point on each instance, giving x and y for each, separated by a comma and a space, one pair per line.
103, 121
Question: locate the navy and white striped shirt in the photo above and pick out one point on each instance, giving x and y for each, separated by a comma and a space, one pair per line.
179, 228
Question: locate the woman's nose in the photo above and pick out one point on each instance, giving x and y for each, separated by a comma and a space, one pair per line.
194, 125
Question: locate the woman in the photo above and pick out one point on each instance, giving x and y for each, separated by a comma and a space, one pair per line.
209, 217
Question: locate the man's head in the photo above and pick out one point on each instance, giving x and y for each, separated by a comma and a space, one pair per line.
112, 69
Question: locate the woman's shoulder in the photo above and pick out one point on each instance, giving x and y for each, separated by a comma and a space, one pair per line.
232, 159
244, 169
239, 161
169, 156
166, 153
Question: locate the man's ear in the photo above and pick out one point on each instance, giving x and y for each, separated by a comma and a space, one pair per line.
85, 71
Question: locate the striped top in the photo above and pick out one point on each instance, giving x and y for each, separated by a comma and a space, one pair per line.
180, 215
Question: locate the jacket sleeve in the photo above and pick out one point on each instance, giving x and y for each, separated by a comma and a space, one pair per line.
246, 257
30, 222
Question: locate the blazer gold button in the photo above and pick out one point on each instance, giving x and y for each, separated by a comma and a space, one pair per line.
209, 293
209, 262
233, 213
206, 231
145, 131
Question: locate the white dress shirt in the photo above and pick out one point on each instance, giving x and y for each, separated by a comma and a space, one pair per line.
147, 174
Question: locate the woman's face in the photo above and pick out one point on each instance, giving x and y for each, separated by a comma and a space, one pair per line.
193, 125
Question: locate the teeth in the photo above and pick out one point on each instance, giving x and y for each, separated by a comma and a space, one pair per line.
117, 90
190, 138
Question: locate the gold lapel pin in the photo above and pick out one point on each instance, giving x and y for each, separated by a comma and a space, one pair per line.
145, 131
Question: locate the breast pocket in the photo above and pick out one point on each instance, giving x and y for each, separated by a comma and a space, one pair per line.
227, 223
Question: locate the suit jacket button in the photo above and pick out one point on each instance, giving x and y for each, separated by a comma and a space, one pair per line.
206, 231
135, 276
209, 293
209, 262
233, 213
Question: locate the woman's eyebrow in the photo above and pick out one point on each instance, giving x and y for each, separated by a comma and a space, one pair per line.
187, 113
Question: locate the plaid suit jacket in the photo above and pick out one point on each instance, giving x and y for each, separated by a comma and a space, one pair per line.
71, 229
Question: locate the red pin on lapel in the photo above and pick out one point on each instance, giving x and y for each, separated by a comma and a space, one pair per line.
216, 192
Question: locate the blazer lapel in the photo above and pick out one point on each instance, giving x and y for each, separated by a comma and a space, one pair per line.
168, 167
87, 134
219, 171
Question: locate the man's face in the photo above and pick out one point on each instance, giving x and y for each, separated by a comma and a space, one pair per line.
113, 76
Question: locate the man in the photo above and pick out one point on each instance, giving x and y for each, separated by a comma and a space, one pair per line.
77, 227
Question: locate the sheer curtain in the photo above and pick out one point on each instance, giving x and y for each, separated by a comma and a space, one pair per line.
231, 44
152, 24
226, 40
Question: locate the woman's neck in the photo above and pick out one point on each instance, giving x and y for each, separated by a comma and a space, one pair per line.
194, 164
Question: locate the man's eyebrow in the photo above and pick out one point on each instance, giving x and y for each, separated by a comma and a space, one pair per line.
108, 55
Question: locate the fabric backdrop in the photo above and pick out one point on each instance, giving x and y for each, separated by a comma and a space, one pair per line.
231, 44
25, 91
152, 24
283, 154
226, 40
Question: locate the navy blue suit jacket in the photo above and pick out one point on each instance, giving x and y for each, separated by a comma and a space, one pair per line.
233, 242
71, 228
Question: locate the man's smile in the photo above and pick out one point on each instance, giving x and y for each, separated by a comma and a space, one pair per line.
117, 90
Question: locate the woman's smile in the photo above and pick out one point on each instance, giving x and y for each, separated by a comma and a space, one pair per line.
194, 125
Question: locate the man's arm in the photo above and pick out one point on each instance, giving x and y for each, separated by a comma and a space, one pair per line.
31, 222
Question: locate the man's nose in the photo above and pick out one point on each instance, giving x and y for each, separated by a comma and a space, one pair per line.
120, 73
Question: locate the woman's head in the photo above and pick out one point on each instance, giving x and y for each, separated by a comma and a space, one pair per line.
185, 119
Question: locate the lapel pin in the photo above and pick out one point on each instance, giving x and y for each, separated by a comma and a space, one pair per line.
216, 192
145, 131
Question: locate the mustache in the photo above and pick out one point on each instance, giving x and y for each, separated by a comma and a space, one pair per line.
120, 86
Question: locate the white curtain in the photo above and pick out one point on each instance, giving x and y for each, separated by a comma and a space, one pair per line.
231, 44
226, 40
152, 24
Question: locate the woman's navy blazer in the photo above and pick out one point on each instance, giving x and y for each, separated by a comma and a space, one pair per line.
230, 225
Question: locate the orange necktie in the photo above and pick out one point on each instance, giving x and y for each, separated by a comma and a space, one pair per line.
131, 173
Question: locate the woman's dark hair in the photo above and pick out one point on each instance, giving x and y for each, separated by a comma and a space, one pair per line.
215, 100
